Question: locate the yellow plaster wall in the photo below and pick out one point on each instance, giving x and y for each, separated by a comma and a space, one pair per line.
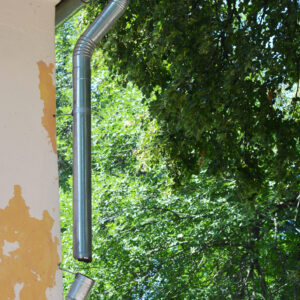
30, 247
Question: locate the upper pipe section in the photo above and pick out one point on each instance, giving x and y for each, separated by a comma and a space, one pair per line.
82, 232
111, 13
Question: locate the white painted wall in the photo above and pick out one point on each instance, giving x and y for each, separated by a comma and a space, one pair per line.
27, 159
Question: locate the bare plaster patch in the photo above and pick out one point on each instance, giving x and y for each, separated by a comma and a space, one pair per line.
47, 95
35, 262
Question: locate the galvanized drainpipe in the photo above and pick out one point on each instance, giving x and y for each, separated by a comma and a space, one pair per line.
82, 229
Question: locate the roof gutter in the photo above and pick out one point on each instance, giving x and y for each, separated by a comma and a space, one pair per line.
65, 9
82, 232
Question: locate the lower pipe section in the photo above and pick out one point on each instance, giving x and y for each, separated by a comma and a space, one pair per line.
80, 288
82, 227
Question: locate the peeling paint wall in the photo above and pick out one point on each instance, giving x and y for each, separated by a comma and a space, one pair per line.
47, 94
30, 247
28, 252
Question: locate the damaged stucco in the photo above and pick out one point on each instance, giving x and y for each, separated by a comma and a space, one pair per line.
28, 252
47, 95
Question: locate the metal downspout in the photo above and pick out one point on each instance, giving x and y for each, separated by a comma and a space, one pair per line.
82, 229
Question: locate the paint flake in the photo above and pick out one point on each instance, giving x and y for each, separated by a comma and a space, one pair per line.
9, 247
17, 288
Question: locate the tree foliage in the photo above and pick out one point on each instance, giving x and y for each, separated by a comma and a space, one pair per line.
217, 68
195, 176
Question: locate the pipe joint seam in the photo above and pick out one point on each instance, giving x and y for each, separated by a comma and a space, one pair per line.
122, 3
85, 47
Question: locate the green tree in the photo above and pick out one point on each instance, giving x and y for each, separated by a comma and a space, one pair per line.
195, 181
216, 67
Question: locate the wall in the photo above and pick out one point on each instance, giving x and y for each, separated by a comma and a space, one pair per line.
29, 202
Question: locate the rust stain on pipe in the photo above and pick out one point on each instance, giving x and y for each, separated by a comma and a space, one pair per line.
33, 260
47, 95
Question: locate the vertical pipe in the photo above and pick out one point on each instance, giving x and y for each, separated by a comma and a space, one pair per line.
82, 232
82, 159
